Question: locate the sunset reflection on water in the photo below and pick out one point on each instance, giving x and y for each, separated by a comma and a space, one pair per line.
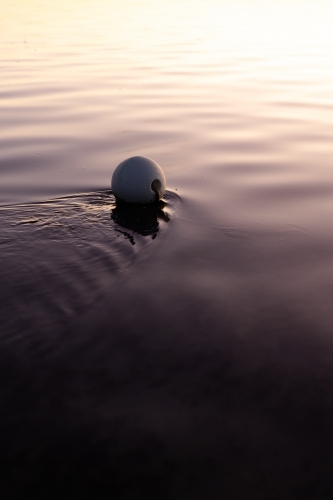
100, 79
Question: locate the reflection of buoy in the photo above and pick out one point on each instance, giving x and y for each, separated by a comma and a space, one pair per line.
138, 180
131, 219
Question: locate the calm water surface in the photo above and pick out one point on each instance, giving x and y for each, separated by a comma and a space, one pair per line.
185, 350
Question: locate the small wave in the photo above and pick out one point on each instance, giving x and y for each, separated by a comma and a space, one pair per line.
63, 253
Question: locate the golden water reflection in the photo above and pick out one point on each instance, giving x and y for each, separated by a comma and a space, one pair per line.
238, 93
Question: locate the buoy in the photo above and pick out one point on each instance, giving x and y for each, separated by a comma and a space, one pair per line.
138, 180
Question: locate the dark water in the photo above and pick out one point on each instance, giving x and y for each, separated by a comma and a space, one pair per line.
184, 350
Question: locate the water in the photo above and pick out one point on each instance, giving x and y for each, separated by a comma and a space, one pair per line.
183, 351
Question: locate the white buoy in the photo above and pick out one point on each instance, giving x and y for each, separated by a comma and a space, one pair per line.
138, 180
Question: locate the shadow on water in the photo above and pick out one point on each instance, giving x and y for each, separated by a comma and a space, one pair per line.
138, 219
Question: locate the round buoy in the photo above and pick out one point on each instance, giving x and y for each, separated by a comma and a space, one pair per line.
138, 180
